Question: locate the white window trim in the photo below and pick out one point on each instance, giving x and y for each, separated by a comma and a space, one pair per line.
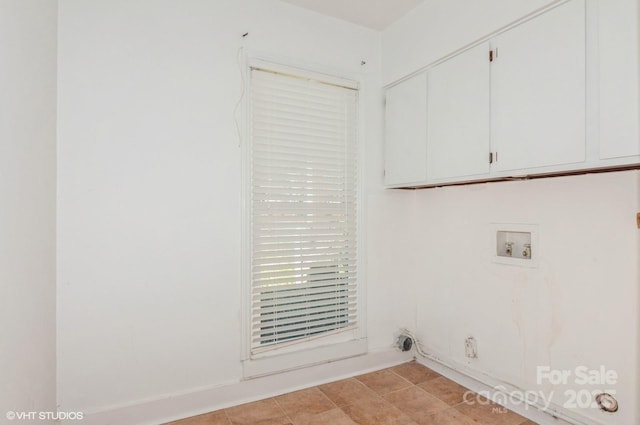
331, 347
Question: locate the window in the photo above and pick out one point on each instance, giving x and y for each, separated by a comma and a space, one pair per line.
303, 207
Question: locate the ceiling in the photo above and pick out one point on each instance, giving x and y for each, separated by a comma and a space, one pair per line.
375, 14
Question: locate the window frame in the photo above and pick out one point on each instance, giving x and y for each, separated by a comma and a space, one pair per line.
323, 348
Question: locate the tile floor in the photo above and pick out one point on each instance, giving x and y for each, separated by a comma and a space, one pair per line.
408, 394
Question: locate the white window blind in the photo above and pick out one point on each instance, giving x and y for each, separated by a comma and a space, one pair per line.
303, 208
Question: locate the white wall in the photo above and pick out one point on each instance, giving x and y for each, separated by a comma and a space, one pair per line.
27, 206
149, 290
580, 306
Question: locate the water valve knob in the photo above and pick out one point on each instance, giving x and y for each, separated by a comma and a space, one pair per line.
508, 248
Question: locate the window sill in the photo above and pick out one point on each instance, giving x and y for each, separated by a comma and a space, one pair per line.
283, 362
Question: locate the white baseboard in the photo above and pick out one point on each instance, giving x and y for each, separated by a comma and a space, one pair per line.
486, 385
166, 409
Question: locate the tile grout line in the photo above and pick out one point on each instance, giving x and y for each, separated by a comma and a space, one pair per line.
229, 421
410, 385
286, 414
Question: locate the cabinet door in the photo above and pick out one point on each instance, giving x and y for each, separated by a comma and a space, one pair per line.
406, 132
538, 91
618, 78
458, 141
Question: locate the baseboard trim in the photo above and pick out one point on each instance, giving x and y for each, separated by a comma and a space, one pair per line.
171, 408
487, 385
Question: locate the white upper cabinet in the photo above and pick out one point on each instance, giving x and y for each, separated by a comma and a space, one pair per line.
618, 94
406, 132
458, 141
538, 91
557, 92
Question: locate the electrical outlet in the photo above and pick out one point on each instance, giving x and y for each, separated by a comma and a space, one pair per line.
470, 348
